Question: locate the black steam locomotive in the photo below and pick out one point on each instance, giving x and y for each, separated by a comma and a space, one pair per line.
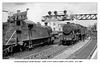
72, 33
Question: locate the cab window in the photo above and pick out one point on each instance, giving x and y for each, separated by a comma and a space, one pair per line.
18, 23
18, 32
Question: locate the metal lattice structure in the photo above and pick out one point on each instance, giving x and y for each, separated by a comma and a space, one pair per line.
85, 16
64, 16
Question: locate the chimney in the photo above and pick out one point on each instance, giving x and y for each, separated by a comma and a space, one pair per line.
64, 12
55, 12
49, 12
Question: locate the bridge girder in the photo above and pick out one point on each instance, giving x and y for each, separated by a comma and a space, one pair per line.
72, 17
85, 16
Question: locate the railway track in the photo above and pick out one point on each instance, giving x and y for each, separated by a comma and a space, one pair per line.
26, 52
48, 53
45, 52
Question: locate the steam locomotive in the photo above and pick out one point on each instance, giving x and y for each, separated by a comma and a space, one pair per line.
72, 33
21, 34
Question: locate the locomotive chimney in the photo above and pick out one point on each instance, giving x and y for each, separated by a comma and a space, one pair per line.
55, 12
46, 24
27, 9
49, 13
64, 12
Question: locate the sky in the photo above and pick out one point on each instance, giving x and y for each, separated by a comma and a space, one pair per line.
37, 10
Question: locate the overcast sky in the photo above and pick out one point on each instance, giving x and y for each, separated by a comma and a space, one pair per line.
37, 10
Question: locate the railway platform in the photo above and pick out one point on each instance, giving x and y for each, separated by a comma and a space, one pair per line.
82, 50
94, 56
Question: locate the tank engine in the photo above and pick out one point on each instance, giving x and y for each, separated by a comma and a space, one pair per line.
21, 34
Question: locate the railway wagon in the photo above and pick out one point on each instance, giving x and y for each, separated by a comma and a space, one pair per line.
20, 34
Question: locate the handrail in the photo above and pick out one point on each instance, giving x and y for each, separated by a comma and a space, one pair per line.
11, 37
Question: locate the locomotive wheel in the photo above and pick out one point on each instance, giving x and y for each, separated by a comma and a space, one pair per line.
48, 40
72, 42
30, 47
5, 52
51, 42
18, 48
25, 47
8, 50
61, 42
22, 48
11, 49
65, 42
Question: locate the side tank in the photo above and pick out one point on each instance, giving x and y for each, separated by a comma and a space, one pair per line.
39, 32
35, 32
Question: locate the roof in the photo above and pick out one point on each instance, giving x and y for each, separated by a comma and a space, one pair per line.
29, 22
20, 14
